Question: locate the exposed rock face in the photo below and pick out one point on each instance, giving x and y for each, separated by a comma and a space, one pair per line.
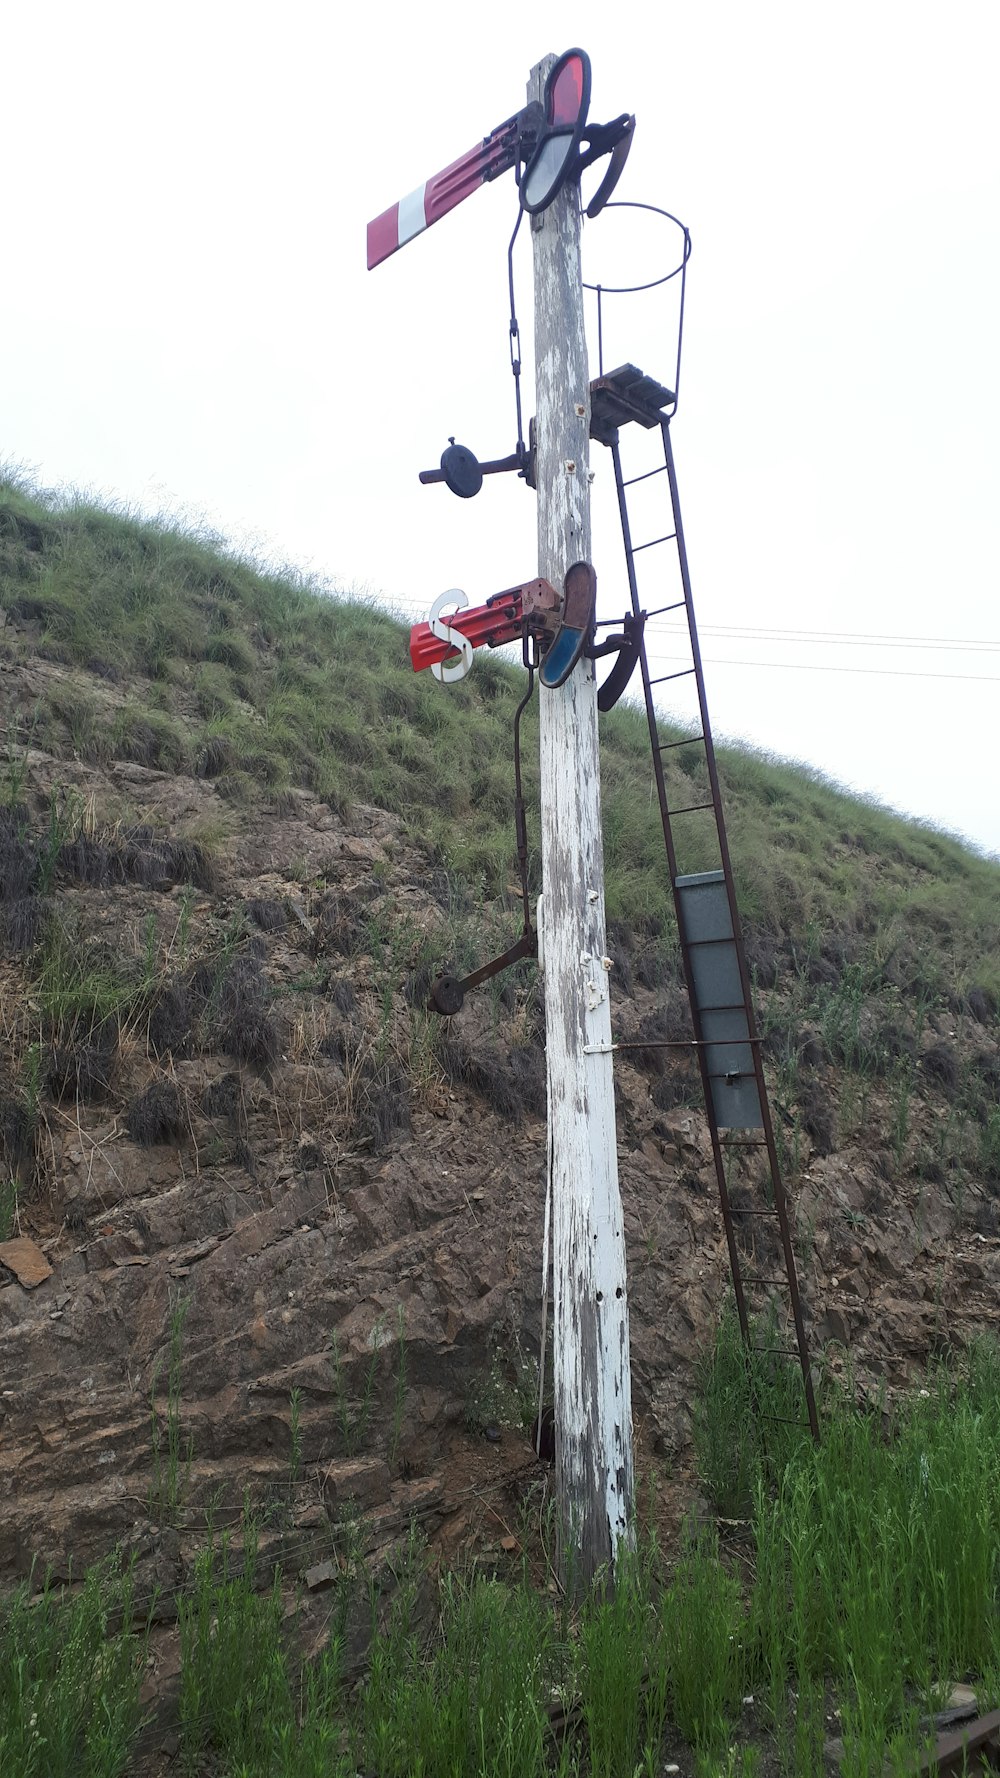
27, 1262
314, 1249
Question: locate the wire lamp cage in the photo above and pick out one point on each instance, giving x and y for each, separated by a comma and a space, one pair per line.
678, 263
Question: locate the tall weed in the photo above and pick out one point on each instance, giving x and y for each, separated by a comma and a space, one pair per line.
70, 1675
749, 1410
623, 1675
876, 1563
474, 1705
704, 1617
236, 1694
172, 1453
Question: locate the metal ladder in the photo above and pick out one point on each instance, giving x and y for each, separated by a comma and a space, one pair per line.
725, 1038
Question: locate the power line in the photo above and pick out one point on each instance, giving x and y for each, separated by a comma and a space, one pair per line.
815, 667
844, 638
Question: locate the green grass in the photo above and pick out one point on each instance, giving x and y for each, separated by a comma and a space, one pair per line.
625, 1668
83, 989
734, 1443
354, 1421
876, 1568
71, 1665
475, 1703
262, 681
236, 1691
864, 1580
703, 1617
172, 1453
8, 1208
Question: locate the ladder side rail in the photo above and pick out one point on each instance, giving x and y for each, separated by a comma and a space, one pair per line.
701, 1047
661, 788
780, 1200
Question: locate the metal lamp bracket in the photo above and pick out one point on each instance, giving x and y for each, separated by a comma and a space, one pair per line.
627, 648
614, 139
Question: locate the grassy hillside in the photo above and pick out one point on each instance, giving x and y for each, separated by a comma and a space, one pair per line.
225, 1110
183, 658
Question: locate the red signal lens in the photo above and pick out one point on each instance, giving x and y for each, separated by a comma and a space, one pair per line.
566, 91
555, 158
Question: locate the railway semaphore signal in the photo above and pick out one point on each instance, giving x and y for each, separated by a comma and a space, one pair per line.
548, 144
544, 141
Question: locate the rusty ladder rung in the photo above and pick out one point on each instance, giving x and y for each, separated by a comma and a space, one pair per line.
646, 477
687, 1043
685, 673
688, 741
677, 605
668, 537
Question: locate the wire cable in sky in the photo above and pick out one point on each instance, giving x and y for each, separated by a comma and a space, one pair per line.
842, 638
815, 667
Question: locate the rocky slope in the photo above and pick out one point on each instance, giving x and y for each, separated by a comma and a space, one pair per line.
336, 1213
268, 1227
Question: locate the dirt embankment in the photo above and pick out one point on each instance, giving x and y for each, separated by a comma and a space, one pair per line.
273, 1232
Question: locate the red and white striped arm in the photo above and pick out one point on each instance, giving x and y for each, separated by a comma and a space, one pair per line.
432, 200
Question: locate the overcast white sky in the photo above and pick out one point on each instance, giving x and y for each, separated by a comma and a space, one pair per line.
189, 324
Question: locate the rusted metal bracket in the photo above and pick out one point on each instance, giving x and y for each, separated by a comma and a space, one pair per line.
951, 1751
448, 992
627, 647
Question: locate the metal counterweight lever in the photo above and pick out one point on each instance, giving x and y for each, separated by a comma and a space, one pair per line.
498, 465
448, 993
463, 473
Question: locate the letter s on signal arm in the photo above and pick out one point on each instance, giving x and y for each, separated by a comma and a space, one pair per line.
447, 671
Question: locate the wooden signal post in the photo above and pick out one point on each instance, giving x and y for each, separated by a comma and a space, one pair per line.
593, 1397
550, 142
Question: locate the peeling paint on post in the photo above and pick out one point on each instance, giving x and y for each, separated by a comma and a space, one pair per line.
592, 1380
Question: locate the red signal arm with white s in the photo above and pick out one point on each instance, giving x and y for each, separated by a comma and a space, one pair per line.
500, 620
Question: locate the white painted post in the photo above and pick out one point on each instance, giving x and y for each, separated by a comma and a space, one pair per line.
592, 1382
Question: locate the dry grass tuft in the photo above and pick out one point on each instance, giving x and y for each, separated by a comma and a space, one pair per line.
157, 1115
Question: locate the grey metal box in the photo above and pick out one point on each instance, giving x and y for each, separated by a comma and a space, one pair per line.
736, 1103
705, 907
707, 930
